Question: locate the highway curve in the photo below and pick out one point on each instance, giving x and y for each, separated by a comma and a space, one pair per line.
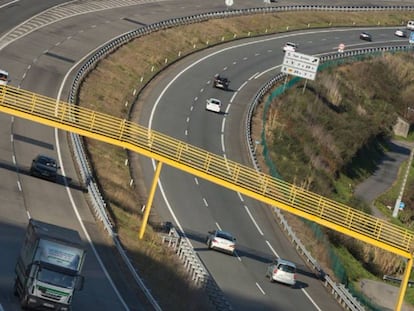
180, 112
41, 61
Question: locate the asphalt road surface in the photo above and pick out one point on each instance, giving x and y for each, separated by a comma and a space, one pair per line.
42, 61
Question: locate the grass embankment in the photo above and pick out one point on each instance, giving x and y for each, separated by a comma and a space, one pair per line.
110, 89
333, 134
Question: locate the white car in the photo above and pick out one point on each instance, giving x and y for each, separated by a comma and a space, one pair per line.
4, 77
213, 104
290, 47
282, 271
222, 241
401, 33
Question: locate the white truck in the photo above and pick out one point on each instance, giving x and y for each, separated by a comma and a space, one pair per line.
48, 270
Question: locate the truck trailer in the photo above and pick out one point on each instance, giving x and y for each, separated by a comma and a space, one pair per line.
48, 270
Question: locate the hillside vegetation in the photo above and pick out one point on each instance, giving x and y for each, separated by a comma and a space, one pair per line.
332, 134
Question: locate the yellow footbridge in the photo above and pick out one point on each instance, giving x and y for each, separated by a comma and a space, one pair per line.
214, 168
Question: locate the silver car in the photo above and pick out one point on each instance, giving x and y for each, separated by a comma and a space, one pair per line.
222, 241
282, 271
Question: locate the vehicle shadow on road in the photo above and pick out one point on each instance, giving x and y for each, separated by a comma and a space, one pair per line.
61, 180
253, 254
300, 285
223, 113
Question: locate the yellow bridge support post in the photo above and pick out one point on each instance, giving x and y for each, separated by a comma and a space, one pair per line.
150, 199
404, 284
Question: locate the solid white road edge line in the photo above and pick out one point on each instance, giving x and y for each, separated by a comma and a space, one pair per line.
59, 94
253, 220
3, 6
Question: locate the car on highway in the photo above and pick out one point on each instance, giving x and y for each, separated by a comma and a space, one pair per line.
222, 241
401, 33
282, 271
213, 104
221, 82
365, 36
290, 47
45, 167
4, 77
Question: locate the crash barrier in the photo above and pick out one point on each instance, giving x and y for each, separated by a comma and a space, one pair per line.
211, 167
195, 268
61, 11
339, 291
96, 199
75, 8
396, 280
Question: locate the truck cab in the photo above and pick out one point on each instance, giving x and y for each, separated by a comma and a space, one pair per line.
48, 270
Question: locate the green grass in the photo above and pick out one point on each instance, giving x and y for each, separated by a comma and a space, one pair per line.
405, 217
354, 268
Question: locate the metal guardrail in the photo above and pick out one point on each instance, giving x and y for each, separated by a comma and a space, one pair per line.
339, 291
396, 280
195, 268
86, 173
97, 201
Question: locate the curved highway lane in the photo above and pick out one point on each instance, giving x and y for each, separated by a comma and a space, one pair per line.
14, 12
39, 62
53, 202
180, 111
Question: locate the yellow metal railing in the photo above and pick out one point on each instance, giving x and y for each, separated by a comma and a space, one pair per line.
212, 167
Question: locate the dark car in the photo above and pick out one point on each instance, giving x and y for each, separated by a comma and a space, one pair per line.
221, 82
365, 36
45, 167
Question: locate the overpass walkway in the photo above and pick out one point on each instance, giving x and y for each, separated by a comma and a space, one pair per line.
212, 167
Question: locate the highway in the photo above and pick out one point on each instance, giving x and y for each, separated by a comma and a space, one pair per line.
42, 61
180, 112
39, 62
